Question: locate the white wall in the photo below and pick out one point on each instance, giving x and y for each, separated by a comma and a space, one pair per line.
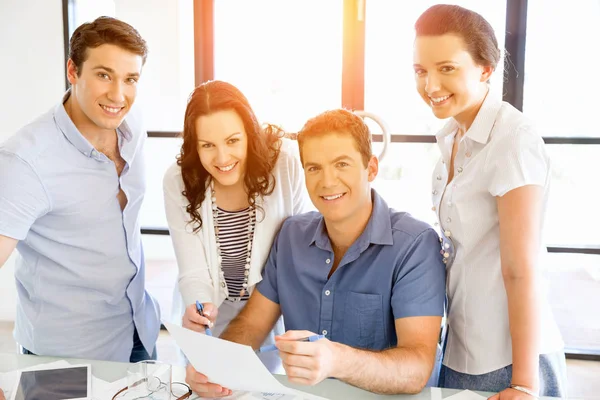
32, 80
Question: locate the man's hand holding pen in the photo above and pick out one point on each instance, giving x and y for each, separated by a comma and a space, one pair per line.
195, 321
306, 362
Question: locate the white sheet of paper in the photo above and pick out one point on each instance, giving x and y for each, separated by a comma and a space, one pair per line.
228, 364
466, 395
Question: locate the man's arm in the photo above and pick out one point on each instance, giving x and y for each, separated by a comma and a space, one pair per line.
7, 245
254, 322
403, 369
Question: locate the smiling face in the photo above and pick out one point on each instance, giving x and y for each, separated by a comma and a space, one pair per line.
103, 89
336, 178
447, 78
223, 146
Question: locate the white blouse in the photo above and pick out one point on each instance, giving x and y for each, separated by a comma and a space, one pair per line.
196, 253
500, 152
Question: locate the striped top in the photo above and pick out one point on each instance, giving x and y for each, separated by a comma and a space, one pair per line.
234, 242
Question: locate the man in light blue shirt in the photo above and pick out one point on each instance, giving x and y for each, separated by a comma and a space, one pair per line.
71, 186
369, 279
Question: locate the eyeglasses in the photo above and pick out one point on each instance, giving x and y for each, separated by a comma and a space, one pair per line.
154, 385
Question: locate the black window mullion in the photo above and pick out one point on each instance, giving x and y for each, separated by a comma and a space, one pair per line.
514, 43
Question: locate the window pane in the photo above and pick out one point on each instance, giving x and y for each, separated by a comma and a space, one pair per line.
168, 76
559, 94
574, 294
572, 217
160, 155
389, 78
404, 178
286, 56
405, 182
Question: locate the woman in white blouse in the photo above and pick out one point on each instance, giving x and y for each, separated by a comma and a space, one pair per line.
490, 190
233, 185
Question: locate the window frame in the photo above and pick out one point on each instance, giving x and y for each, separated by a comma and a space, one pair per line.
353, 85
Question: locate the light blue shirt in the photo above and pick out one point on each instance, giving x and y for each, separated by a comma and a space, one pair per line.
80, 273
393, 270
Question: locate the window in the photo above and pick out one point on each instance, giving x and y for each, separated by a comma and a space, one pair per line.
160, 154
285, 56
571, 217
404, 178
560, 92
389, 77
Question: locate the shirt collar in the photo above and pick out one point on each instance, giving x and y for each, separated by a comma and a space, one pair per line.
482, 125
378, 229
68, 128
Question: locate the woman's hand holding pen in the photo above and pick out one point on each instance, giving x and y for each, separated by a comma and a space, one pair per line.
194, 321
306, 363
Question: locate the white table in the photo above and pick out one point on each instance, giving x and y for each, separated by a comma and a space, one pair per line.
112, 371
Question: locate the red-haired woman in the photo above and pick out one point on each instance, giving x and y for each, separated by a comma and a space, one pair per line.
232, 186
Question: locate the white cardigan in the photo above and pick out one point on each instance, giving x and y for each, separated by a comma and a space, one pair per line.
196, 253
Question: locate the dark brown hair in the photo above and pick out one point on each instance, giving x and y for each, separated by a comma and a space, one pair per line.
105, 30
339, 121
476, 31
262, 154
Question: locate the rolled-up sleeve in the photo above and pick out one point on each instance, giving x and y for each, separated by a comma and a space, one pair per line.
23, 198
420, 286
268, 285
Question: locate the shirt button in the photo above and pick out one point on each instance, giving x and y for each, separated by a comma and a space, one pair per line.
439, 178
460, 170
434, 192
447, 233
328, 261
327, 293
324, 332
448, 220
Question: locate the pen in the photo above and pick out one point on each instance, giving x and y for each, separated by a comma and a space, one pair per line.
200, 309
272, 347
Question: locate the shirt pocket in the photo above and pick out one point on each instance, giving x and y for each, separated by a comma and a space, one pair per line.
363, 321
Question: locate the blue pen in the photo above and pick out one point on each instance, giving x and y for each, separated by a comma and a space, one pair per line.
272, 347
200, 309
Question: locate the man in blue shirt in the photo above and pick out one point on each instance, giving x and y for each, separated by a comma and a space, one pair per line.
368, 278
71, 186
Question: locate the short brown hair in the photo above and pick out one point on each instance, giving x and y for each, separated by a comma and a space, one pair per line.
105, 30
475, 30
339, 121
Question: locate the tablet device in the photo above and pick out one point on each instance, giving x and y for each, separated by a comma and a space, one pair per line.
68, 383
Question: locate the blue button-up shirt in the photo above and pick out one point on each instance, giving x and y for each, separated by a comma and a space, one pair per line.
393, 270
80, 274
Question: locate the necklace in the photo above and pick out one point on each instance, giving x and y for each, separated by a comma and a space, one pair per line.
251, 222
